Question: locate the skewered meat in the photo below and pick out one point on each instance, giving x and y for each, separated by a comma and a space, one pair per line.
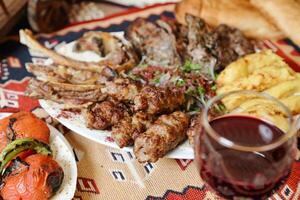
155, 44
27, 38
125, 132
74, 95
36, 177
164, 135
154, 100
63, 74
16, 126
118, 56
105, 114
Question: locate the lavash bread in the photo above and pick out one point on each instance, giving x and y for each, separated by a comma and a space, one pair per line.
240, 14
284, 13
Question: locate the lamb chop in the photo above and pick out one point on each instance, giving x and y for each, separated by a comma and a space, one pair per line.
71, 95
155, 44
162, 136
63, 74
27, 38
118, 56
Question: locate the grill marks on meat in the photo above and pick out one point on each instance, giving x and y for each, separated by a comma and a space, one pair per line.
105, 114
214, 49
229, 44
125, 132
73, 95
154, 100
162, 136
155, 44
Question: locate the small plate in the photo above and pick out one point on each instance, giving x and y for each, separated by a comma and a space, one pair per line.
62, 154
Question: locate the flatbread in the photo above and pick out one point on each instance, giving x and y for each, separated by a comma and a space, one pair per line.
284, 13
236, 13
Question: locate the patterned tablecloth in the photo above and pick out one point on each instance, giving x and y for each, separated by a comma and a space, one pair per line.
105, 173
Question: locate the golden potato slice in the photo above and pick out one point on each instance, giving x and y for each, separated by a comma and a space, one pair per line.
260, 80
285, 89
293, 103
267, 110
245, 66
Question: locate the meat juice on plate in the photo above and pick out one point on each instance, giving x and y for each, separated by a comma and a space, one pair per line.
232, 172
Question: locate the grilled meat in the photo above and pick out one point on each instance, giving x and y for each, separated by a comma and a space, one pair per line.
27, 38
117, 55
130, 127
229, 45
156, 45
161, 137
197, 51
154, 100
122, 89
195, 128
105, 114
63, 74
214, 49
181, 35
74, 95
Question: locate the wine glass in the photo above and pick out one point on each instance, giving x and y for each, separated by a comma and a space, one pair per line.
246, 144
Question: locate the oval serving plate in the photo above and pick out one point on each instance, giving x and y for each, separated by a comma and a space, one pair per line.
76, 123
63, 154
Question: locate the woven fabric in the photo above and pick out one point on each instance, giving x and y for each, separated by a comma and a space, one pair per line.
105, 173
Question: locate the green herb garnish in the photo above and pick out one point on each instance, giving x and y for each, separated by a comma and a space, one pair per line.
189, 66
200, 90
214, 87
180, 82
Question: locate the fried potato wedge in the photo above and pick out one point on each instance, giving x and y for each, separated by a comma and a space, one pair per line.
267, 110
285, 89
245, 66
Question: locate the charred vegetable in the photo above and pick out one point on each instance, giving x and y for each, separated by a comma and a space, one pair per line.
20, 145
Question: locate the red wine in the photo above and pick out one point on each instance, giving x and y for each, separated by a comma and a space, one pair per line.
240, 173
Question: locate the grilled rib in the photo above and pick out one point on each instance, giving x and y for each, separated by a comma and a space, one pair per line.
63, 74
64, 93
27, 38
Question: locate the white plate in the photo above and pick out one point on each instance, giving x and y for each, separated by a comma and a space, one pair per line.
76, 123
62, 154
